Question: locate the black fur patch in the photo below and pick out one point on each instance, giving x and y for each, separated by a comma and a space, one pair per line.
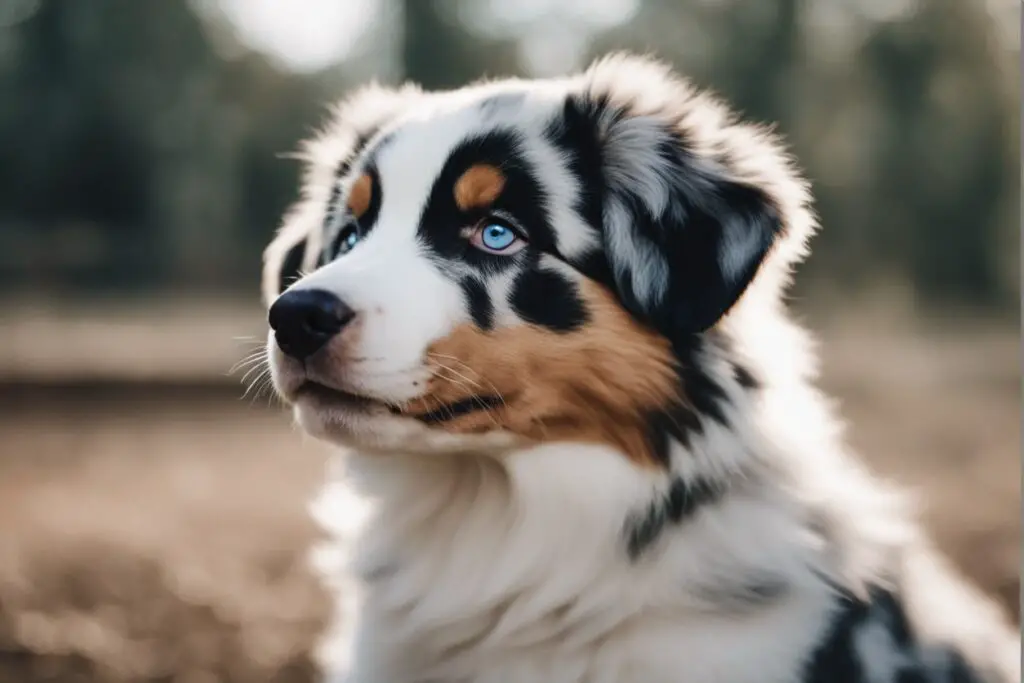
522, 198
291, 266
674, 422
960, 670
704, 397
545, 298
745, 379
481, 309
594, 265
574, 134
699, 291
838, 659
324, 257
682, 501
705, 394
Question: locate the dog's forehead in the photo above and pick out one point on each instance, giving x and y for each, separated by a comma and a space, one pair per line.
411, 157
420, 143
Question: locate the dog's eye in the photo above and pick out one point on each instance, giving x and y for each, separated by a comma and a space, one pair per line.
347, 238
495, 237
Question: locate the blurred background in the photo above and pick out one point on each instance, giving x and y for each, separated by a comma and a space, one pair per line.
152, 519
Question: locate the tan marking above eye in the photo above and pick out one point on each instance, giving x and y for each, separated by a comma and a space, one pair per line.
478, 187
359, 196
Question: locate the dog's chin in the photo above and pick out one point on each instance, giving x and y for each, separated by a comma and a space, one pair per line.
369, 425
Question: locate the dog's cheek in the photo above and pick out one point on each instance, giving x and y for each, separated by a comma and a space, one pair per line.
595, 383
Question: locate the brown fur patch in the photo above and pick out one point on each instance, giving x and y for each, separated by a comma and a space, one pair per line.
597, 385
359, 196
478, 187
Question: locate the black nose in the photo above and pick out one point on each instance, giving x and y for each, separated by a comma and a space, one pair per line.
304, 319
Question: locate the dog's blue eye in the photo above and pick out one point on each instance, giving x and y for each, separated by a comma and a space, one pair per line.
494, 237
347, 238
497, 237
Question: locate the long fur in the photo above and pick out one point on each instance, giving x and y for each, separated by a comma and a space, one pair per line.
659, 494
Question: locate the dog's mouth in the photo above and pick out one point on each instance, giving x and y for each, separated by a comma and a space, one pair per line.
337, 398
449, 411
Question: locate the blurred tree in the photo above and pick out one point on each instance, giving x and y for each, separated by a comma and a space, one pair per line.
132, 154
947, 150
438, 52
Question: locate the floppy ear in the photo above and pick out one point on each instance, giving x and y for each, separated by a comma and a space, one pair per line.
684, 260
684, 237
328, 158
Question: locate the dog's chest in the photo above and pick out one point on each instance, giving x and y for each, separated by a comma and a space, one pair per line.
606, 645
481, 595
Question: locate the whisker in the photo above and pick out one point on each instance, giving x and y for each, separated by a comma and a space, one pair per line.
461, 376
266, 391
259, 370
255, 376
255, 383
247, 363
255, 352
473, 396
465, 365
250, 339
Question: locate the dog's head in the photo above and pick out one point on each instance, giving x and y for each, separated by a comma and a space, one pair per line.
522, 261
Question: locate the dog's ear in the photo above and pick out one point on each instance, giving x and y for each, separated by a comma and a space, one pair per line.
683, 237
328, 159
684, 259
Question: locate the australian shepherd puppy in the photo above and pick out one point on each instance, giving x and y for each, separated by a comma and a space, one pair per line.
582, 443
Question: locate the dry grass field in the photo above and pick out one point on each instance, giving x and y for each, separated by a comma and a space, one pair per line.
152, 524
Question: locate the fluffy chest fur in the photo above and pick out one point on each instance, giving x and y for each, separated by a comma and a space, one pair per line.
503, 576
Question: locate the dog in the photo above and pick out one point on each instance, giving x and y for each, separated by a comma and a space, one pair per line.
544, 320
